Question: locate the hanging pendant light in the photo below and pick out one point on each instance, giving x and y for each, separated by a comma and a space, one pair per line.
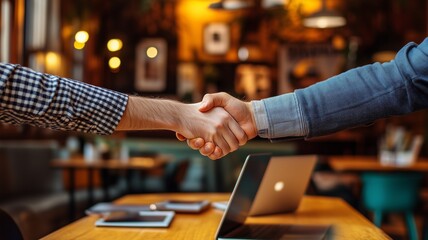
232, 4
324, 18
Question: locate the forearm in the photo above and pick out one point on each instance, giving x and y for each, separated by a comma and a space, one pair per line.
363, 95
150, 114
356, 97
216, 125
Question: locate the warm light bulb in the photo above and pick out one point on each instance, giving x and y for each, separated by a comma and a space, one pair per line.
152, 52
114, 62
243, 53
114, 45
53, 62
338, 42
52, 58
81, 36
78, 45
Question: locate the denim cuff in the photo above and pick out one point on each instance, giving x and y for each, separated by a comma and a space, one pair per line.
279, 116
260, 116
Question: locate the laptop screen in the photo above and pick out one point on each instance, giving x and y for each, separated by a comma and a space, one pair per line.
244, 192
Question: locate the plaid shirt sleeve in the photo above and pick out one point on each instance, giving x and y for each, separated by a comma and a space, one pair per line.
43, 100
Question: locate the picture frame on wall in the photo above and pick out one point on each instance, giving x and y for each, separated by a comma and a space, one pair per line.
188, 86
302, 64
150, 65
216, 37
254, 81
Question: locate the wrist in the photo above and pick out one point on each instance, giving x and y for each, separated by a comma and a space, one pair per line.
144, 113
173, 120
125, 120
178, 116
253, 132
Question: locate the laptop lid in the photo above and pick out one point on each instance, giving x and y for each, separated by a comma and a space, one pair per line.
244, 192
283, 184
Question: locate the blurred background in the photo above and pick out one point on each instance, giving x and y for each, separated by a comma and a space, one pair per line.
183, 49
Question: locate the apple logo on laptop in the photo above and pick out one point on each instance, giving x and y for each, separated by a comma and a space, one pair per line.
279, 186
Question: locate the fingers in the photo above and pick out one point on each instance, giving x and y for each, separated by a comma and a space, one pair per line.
238, 133
180, 137
195, 143
216, 154
234, 136
226, 142
214, 132
228, 135
207, 149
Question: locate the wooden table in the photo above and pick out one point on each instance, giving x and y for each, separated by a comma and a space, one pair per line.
347, 222
371, 163
135, 163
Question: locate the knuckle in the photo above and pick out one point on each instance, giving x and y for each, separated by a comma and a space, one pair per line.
207, 96
218, 126
213, 131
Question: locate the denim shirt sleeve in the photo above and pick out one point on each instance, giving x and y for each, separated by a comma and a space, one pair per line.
356, 97
364, 94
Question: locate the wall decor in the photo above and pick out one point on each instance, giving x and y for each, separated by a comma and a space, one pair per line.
216, 38
150, 65
302, 64
253, 81
188, 82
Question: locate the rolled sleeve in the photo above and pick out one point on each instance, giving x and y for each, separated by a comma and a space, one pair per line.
261, 119
279, 117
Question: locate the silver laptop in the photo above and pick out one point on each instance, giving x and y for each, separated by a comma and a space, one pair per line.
283, 184
232, 225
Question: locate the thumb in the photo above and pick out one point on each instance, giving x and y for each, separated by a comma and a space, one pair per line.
212, 100
207, 103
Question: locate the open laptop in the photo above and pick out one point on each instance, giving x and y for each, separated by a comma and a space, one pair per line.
283, 185
232, 225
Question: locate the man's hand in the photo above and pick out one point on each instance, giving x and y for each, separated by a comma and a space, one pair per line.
239, 110
214, 126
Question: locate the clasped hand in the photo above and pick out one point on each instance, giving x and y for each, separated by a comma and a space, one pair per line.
233, 125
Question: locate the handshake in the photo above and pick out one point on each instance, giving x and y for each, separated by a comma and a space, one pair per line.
226, 124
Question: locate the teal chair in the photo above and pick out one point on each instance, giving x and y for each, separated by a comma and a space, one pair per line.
396, 192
